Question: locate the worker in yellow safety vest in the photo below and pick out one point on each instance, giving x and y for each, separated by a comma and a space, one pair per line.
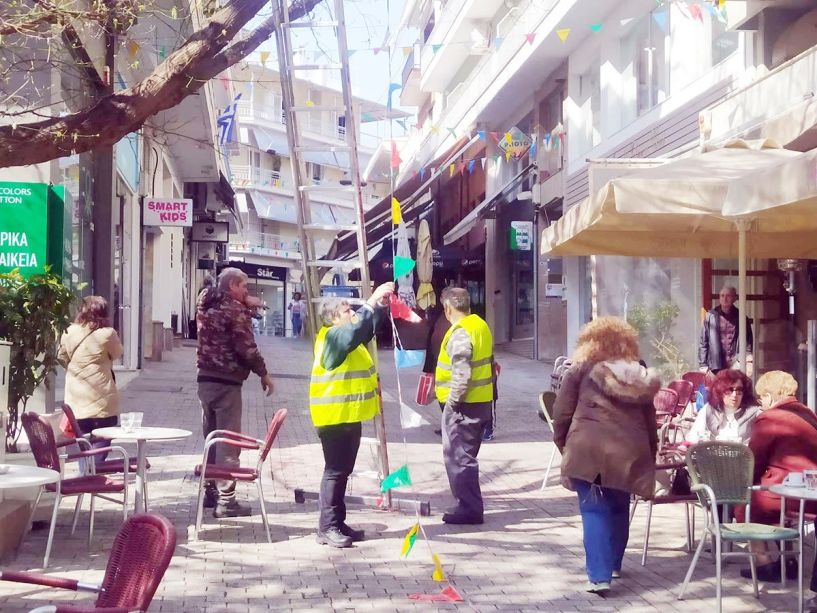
342, 394
465, 386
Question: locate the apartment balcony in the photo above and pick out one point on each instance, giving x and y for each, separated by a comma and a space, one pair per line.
779, 105
271, 245
248, 176
411, 94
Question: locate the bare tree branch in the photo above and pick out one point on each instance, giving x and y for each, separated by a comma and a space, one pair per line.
204, 55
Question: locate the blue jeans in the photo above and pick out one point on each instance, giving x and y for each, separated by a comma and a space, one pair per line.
605, 518
296, 325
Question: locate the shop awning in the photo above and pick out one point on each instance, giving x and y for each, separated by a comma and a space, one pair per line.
412, 196
503, 196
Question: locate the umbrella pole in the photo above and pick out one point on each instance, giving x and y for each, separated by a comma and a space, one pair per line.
742, 225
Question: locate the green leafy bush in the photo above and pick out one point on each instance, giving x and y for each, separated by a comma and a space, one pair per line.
654, 325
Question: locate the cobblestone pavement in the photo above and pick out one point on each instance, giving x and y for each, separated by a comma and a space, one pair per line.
527, 557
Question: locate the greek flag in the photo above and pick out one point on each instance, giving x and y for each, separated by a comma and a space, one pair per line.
226, 121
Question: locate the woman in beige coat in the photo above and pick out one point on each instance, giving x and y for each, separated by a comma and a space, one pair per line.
605, 428
87, 351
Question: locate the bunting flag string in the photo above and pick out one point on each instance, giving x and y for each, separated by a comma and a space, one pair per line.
396, 213
408, 541
398, 478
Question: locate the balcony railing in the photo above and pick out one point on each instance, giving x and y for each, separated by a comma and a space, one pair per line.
258, 176
267, 244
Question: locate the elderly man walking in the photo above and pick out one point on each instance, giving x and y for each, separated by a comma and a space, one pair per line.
342, 394
225, 356
465, 385
718, 347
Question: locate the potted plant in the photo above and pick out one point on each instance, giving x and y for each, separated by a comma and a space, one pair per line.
34, 312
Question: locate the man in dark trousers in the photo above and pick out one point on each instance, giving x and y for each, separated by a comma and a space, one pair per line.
342, 394
465, 384
718, 347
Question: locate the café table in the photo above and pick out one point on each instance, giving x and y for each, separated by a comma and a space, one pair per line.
803, 494
141, 436
13, 476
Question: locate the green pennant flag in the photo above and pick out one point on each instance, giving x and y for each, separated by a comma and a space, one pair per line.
408, 540
403, 266
398, 478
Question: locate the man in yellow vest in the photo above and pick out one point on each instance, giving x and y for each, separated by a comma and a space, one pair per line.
465, 386
342, 394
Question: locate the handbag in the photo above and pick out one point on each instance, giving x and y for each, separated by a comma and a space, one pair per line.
680, 483
425, 389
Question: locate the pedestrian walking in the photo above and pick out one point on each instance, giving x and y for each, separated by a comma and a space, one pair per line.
465, 386
437, 330
88, 350
297, 313
343, 393
604, 426
225, 356
718, 346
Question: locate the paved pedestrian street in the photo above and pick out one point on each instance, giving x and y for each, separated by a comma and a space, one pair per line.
528, 556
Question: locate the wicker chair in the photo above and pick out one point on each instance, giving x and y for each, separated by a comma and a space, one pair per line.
697, 378
546, 400
238, 473
139, 558
665, 402
721, 473
44, 447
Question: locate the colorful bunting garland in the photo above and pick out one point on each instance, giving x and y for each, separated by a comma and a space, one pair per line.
408, 541
398, 478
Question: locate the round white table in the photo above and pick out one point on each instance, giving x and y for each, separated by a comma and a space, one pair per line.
141, 436
803, 494
14, 476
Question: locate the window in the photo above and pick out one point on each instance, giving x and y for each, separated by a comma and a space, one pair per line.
316, 171
590, 97
649, 44
724, 43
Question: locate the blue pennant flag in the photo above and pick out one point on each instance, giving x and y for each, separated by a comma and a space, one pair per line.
408, 358
393, 87
471, 164
422, 173
226, 121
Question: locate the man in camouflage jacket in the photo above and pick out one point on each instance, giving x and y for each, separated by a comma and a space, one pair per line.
226, 355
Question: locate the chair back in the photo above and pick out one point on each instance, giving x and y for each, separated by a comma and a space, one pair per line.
696, 378
665, 400
728, 468
684, 389
41, 440
72, 420
272, 432
546, 401
139, 558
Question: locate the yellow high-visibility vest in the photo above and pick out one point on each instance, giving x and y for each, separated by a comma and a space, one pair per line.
347, 394
481, 385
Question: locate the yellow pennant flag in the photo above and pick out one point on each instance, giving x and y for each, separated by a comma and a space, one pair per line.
438, 574
264, 57
507, 156
451, 170
508, 137
408, 541
563, 34
435, 129
310, 104
396, 214
406, 51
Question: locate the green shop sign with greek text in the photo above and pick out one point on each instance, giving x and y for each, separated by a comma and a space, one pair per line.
35, 228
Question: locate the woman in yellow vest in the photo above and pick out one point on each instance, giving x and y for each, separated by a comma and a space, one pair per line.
342, 394
465, 385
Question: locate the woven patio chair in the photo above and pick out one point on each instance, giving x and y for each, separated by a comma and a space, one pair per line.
721, 473
139, 558
546, 400
44, 448
238, 473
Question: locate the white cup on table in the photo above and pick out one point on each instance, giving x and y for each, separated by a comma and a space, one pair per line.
794, 480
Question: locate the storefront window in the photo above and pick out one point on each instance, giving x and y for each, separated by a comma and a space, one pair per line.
273, 321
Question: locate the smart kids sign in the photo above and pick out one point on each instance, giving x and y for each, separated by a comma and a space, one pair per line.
168, 211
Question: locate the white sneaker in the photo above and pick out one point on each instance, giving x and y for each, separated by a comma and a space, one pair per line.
597, 588
616, 574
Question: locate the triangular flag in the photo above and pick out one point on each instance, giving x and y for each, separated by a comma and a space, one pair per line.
482, 134
482, 161
409, 358
451, 170
695, 11
408, 540
400, 310
376, 50
452, 594
452, 132
393, 87
461, 166
624, 22
403, 266
402, 123
532, 150
563, 34
508, 137
498, 42
396, 214
398, 478
660, 18
264, 57
395, 156
508, 156
471, 164
495, 136
422, 173
530, 37
410, 418
435, 48
406, 51
350, 52
438, 574
435, 129
596, 27
449, 594
162, 53
310, 104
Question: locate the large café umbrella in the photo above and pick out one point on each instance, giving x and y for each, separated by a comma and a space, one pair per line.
743, 200
425, 267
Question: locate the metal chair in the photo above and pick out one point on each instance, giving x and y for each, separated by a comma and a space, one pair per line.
560, 366
665, 402
546, 400
205, 471
139, 558
721, 474
685, 391
44, 447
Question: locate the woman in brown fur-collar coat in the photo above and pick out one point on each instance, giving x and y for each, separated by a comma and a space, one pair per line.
605, 428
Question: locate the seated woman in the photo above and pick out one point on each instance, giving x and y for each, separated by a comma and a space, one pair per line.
730, 412
784, 440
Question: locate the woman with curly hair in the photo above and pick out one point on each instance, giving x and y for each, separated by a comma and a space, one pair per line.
605, 428
730, 412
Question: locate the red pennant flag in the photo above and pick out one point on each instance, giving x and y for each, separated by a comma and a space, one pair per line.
395, 156
449, 594
460, 167
530, 37
494, 135
400, 310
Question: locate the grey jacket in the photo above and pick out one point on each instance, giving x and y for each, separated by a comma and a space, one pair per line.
710, 353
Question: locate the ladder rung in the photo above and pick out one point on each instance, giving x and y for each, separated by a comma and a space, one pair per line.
330, 227
317, 107
311, 24
324, 148
314, 66
326, 188
334, 263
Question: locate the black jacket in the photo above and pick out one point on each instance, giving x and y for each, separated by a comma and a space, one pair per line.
710, 353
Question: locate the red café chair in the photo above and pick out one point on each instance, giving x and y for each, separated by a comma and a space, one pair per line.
685, 391
44, 448
238, 473
665, 402
697, 378
139, 558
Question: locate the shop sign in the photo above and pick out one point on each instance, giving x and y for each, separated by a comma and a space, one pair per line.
168, 211
23, 227
210, 232
521, 238
258, 271
515, 143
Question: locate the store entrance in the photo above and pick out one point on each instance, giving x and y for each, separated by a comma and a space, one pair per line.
272, 293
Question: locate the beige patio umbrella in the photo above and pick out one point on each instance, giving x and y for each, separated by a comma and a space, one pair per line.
425, 267
742, 200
